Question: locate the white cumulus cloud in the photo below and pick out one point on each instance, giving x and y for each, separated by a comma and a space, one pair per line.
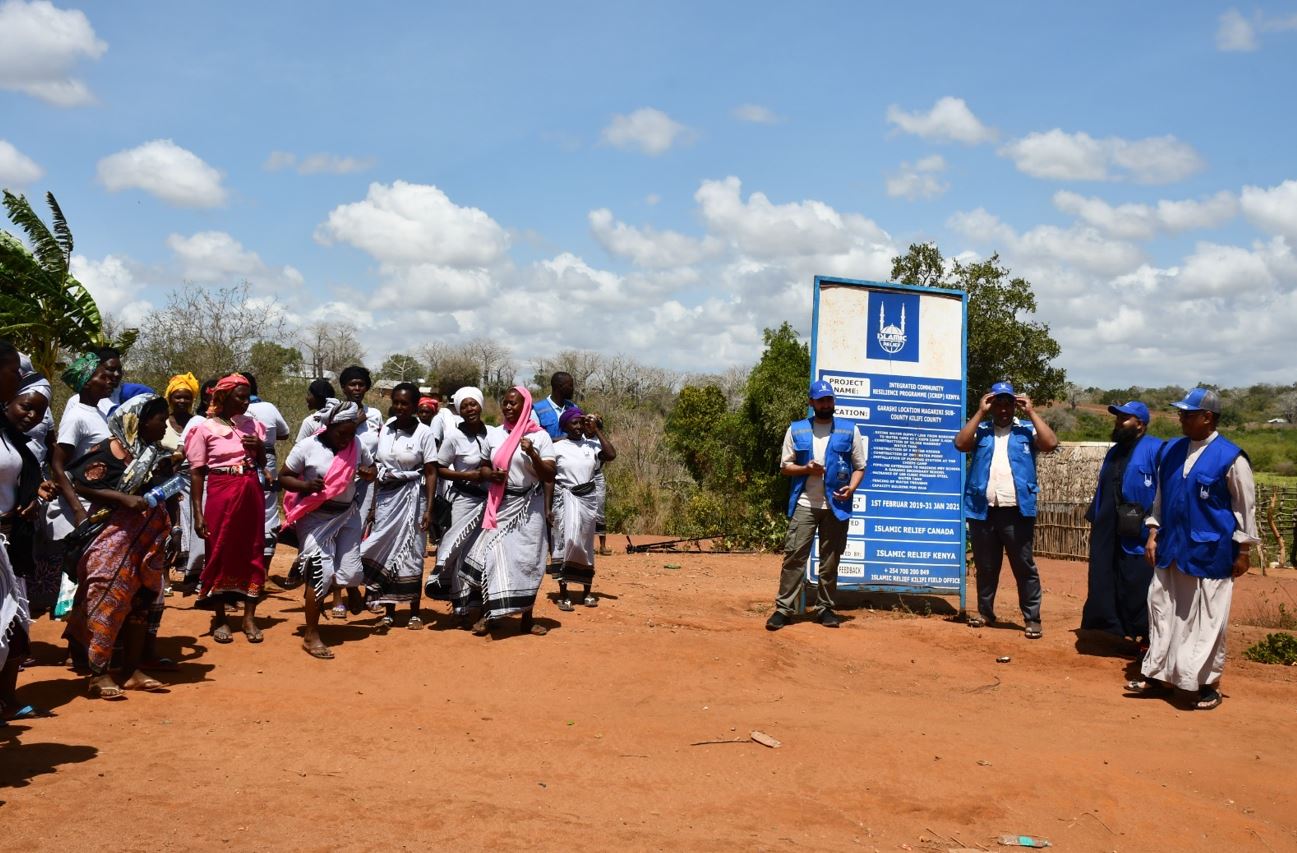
165, 170
1143, 221
216, 257
40, 45
649, 130
1082, 247
647, 247
16, 168
1061, 156
113, 284
950, 120
406, 224
1273, 209
755, 114
920, 180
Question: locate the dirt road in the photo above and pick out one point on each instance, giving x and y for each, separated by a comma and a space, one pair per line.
899, 731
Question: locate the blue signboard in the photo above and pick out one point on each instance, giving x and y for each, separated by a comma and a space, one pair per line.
895, 356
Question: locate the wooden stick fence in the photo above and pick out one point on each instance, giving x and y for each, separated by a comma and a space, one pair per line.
1068, 477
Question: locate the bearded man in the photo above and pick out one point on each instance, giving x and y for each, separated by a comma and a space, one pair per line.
1117, 600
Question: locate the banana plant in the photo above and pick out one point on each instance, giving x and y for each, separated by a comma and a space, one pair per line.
44, 310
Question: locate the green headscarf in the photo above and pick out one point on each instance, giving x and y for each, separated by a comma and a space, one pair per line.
80, 370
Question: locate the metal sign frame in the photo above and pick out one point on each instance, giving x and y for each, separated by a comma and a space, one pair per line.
921, 292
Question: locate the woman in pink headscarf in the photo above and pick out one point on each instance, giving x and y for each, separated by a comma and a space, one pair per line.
506, 564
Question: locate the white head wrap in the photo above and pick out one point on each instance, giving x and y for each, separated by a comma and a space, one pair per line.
34, 383
468, 392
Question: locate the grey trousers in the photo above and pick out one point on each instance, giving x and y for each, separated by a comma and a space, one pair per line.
1005, 531
802, 528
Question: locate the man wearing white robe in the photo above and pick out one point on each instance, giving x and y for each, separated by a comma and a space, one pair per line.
1193, 576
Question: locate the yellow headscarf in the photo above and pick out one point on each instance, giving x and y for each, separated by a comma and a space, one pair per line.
183, 380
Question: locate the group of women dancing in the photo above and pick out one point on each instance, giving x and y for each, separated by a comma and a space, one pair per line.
96, 512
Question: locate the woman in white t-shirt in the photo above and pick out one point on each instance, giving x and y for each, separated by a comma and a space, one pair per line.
506, 563
574, 505
393, 551
463, 472
82, 426
320, 474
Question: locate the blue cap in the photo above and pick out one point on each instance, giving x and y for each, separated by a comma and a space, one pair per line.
820, 389
1200, 400
1003, 388
1134, 407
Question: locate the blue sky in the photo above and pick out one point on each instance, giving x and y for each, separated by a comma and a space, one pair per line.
664, 180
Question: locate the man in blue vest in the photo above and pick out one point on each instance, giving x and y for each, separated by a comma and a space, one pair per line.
825, 458
1117, 599
1000, 499
1201, 530
546, 412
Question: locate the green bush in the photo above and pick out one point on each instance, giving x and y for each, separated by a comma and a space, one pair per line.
1275, 648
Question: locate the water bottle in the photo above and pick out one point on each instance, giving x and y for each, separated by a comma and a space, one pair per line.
169, 488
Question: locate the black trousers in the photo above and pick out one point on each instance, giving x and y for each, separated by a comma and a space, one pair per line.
1005, 531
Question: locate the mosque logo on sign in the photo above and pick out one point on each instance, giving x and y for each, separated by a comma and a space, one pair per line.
891, 338
893, 326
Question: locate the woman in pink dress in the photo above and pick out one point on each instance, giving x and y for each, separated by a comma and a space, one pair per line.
225, 452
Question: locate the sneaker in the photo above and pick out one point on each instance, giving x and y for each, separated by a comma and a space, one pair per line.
776, 621
829, 619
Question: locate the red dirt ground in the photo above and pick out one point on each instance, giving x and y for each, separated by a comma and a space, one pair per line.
898, 731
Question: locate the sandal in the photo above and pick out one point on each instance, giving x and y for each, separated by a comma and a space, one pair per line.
384, 624
1148, 688
414, 624
1032, 632
481, 628
565, 605
591, 601
222, 634
321, 651
254, 635
150, 685
976, 620
1208, 698
108, 694
338, 611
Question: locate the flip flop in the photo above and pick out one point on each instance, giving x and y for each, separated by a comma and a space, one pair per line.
30, 712
976, 621
322, 652
150, 685
254, 636
222, 638
1208, 699
1032, 632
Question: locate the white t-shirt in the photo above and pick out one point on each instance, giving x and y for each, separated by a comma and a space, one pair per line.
405, 451
461, 452
269, 416
82, 427
1000, 490
444, 423
577, 461
310, 460
11, 468
522, 474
